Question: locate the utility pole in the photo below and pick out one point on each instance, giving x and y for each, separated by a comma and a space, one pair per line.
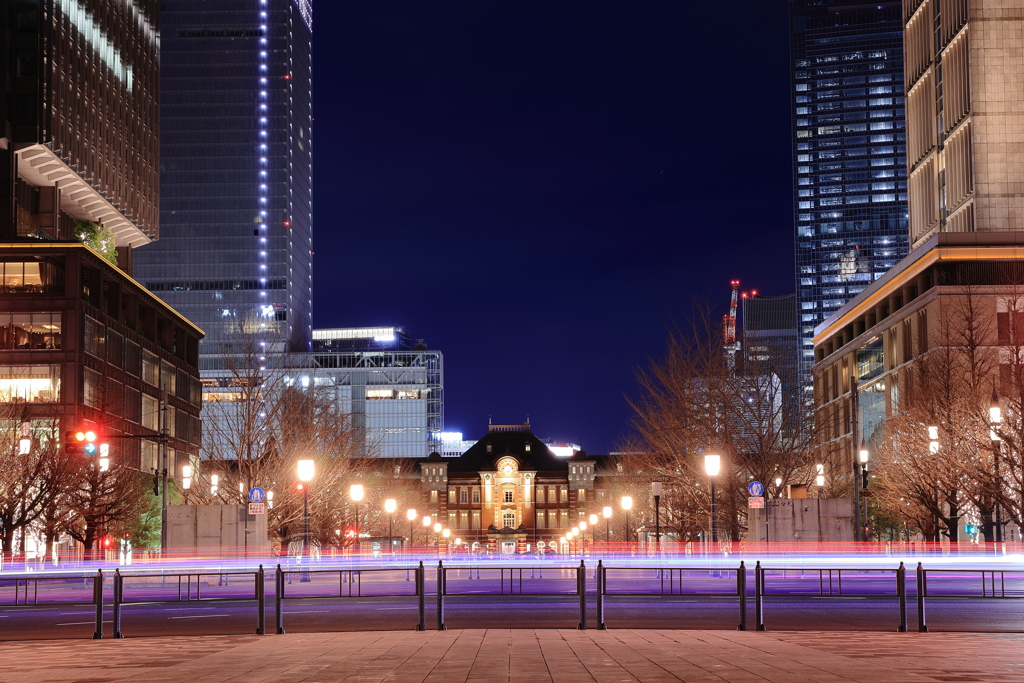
854, 442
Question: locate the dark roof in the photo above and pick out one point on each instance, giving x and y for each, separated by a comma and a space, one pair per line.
510, 440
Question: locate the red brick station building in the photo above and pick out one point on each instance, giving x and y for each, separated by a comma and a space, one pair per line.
509, 492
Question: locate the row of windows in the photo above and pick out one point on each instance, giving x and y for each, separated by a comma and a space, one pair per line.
30, 331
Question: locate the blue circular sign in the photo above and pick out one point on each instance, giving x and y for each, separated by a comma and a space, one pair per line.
755, 489
257, 495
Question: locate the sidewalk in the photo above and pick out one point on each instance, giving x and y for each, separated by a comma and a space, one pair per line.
529, 656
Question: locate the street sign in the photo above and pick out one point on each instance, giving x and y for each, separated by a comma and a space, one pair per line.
257, 508
755, 502
755, 488
257, 495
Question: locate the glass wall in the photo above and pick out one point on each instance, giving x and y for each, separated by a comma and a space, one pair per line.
29, 383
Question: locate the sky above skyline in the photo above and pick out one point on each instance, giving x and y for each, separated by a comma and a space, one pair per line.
542, 190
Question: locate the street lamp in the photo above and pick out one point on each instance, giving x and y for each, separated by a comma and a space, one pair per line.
426, 531
819, 479
390, 505
593, 529
355, 493
410, 514
213, 484
995, 418
713, 465
446, 533
607, 513
656, 490
583, 532
858, 467
306, 470
627, 505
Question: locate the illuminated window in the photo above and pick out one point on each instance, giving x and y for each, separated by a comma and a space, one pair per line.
380, 393
563, 494
540, 494
464, 519
508, 520
150, 368
581, 496
29, 384
30, 331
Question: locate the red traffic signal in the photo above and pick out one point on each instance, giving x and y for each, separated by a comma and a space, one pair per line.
81, 442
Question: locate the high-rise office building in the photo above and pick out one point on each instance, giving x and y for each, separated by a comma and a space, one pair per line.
850, 198
81, 121
236, 161
960, 285
81, 343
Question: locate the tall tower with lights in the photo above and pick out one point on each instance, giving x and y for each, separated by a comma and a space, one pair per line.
235, 254
849, 155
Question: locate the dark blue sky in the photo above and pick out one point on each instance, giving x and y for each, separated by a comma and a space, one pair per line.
541, 189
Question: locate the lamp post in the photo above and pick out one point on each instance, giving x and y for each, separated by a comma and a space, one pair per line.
446, 533
593, 530
573, 533
306, 471
858, 467
437, 530
627, 505
607, 513
995, 418
355, 493
390, 505
583, 535
410, 514
656, 490
426, 531
713, 465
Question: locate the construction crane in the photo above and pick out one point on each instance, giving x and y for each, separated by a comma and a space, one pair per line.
732, 346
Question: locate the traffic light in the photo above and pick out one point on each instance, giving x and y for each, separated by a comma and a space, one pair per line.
82, 442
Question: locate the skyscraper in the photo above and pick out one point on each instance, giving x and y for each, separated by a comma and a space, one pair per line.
236, 164
849, 145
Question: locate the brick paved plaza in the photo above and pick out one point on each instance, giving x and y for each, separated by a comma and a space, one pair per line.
530, 656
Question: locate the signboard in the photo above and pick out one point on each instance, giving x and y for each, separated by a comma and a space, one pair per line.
755, 489
755, 502
257, 495
257, 508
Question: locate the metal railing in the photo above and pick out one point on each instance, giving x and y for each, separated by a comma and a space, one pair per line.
26, 593
158, 589
350, 578
707, 582
516, 576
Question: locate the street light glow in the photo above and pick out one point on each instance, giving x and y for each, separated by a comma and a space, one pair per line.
426, 520
593, 520
627, 502
712, 464
390, 505
411, 515
607, 512
355, 492
306, 470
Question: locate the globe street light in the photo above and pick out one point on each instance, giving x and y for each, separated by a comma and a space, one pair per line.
627, 505
863, 454
426, 531
593, 529
607, 513
306, 469
995, 418
355, 493
390, 505
713, 465
410, 514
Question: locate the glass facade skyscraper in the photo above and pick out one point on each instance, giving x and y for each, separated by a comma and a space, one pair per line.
849, 154
234, 254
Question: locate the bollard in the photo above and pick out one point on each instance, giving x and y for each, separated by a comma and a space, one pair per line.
261, 625
420, 593
599, 579
98, 598
922, 587
741, 591
901, 594
581, 588
118, 596
278, 596
440, 596
759, 596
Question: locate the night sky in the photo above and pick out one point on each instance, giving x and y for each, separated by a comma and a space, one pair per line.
541, 190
